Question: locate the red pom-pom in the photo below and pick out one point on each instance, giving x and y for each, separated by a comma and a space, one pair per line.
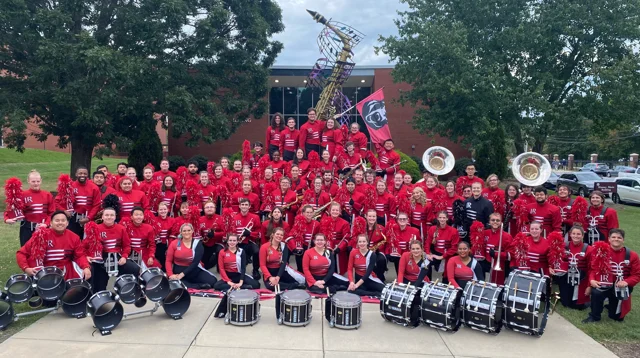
327, 227
268, 199
92, 242
192, 194
404, 205
359, 226
228, 224
182, 175
498, 202
112, 180
210, 166
246, 152
520, 246
476, 237
579, 211
308, 197
150, 166
521, 214
370, 199
601, 258
193, 216
554, 200
14, 200
342, 196
151, 219
371, 158
154, 194
439, 201
314, 161
65, 192
345, 134
39, 244
298, 229
127, 223
557, 250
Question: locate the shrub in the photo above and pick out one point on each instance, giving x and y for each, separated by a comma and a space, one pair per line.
235, 156
410, 166
419, 163
201, 160
461, 165
175, 161
147, 148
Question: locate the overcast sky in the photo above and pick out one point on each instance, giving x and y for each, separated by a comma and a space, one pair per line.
371, 17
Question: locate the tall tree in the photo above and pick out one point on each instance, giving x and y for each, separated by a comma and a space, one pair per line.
94, 71
525, 68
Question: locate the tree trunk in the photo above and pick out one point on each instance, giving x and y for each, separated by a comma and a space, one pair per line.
81, 153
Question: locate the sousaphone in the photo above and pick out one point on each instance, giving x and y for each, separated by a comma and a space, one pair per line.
438, 160
531, 169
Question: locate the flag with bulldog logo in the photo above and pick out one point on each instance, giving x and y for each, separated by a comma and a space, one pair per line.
374, 115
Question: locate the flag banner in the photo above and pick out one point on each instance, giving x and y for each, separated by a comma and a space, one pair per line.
374, 115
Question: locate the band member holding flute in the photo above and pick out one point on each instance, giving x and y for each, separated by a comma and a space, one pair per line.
232, 265
319, 266
498, 244
184, 260
362, 280
274, 256
414, 265
463, 268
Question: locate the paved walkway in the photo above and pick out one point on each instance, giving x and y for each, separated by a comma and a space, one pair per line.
199, 334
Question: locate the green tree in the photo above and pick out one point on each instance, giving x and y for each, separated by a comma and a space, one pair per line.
524, 68
90, 71
146, 149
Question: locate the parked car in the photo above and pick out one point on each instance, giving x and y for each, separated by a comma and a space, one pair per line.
551, 182
628, 191
598, 168
620, 169
581, 183
635, 174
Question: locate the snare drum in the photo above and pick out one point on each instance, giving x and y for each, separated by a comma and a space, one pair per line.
346, 311
155, 284
243, 308
50, 283
440, 306
74, 300
295, 308
482, 307
399, 304
523, 295
19, 288
127, 287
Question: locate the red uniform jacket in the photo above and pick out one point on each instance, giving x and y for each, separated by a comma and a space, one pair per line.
360, 140
106, 190
243, 222
143, 240
207, 224
221, 181
131, 199
331, 189
310, 133
205, 193
620, 269
325, 166
489, 194
289, 140
319, 199
299, 185
114, 239
361, 264
160, 175
565, 210
273, 137
403, 190
165, 231
362, 187
331, 139
528, 198
38, 206
492, 241
409, 268
303, 165
387, 159
175, 230
403, 237
261, 185
537, 260
254, 200
547, 214
169, 198
279, 166
270, 258
281, 199
375, 236
385, 205
62, 251
419, 217
349, 161
358, 203
445, 243
315, 265
603, 218
87, 199
450, 200
230, 262
310, 230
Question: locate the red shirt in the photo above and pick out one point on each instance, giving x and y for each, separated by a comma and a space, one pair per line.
331, 139
537, 260
408, 268
310, 230
114, 238
446, 242
38, 206
289, 140
331, 188
143, 240
388, 159
160, 175
87, 199
299, 185
419, 215
528, 198
403, 237
131, 199
169, 198
360, 140
253, 198
208, 224
265, 233
361, 264
273, 136
243, 222
385, 205
179, 255
349, 161
106, 190
310, 133
229, 262
358, 203
603, 219
270, 258
457, 270
547, 214
61, 251
166, 224
315, 264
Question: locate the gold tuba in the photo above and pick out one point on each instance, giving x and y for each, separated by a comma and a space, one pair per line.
531, 169
438, 160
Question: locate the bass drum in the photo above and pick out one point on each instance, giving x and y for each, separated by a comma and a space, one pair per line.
524, 295
440, 306
482, 307
399, 304
74, 300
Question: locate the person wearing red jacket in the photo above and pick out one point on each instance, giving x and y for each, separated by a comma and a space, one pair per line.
399, 189
441, 244
430, 187
331, 138
274, 258
300, 240
143, 240
274, 131
289, 140
377, 242
86, 202
255, 186
544, 212
277, 164
38, 207
527, 194
286, 199
275, 221
183, 260
257, 155
115, 242
298, 184
492, 246
403, 233
463, 268
617, 284
493, 193
326, 164
164, 172
573, 273
61, 248
536, 258
420, 211
319, 267
310, 133
564, 203
99, 179
414, 265
268, 178
362, 280
248, 230
169, 194
354, 201
130, 198
385, 203
361, 186
349, 159
599, 219
328, 186
147, 179
511, 221
303, 164
388, 158
469, 179
205, 189
184, 216
316, 197
210, 230
162, 240
340, 235
246, 193
232, 265
358, 138
218, 178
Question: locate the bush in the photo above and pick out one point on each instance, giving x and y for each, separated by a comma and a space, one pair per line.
461, 165
176, 161
492, 157
410, 166
201, 160
419, 163
147, 148
235, 156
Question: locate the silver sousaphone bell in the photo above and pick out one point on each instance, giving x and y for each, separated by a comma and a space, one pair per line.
531, 169
438, 160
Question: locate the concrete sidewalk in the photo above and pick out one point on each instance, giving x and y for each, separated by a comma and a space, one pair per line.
199, 334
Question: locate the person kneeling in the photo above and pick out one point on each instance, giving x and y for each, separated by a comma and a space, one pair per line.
319, 266
274, 256
232, 263
360, 270
414, 265
183, 261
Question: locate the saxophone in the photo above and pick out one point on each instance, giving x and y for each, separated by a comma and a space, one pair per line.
375, 247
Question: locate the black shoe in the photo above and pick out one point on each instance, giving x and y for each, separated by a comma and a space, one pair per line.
256, 275
589, 319
205, 286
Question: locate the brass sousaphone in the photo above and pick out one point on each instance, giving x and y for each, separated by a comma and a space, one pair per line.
531, 169
438, 160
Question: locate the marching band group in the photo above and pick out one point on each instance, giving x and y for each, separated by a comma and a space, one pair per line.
312, 196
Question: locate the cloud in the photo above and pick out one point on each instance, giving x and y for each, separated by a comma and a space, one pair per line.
373, 18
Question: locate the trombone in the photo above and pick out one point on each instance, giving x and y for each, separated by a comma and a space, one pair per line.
496, 267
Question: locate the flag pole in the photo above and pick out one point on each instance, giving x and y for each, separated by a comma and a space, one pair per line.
341, 114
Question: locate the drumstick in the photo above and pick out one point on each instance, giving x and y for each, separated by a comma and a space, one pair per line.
515, 295
480, 297
526, 309
473, 283
404, 294
429, 293
444, 291
392, 286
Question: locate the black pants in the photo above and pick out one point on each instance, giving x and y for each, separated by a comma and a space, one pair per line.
196, 278
566, 294
210, 255
75, 227
252, 251
381, 220
100, 278
26, 230
486, 268
369, 287
161, 254
298, 259
288, 156
286, 281
434, 265
334, 284
396, 263
248, 282
597, 303
308, 148
272, 148
381, 265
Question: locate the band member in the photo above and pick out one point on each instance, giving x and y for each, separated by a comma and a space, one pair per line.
277, 164
246, 193
102, 168
573, 280
399, 237
206, 189
86, 202
274, 131
353, 201
185, 215
358, 176
331, 138
495, 248
350, 159
362, 280
193, 174
302, 163
310, 133
143, 240
298, 184
289, 140
99, 179
121, 169
370, 177
441, 244
358, 138
377, 241
169, 194
477, 207
286, 199
274, 256
316, 197
210, 230
147, 179
420, 211
527, 194
399, 189
430, 188
304, 228
319, 267
463, 268
388, 158
328, 185
183, 261
130, 198
275, 221
164, 172
511, 221
451, 197
162, 241
38, 208
414, 265
469, 179
385, 203
494, 194
108, 240
337, 234
224, 162
255, 186
133, 175
533, 254
232, 265
248, 230
599, 219
564, 202
326, 164
219, 179
237, 167
544, 212
57, 247
264, 184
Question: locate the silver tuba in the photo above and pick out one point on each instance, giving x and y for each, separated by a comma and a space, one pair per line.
438, 160
531, 169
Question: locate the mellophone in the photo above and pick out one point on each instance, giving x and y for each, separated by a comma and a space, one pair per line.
521, 305
76, 298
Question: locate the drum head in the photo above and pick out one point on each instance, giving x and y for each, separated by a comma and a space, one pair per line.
6, 314
50, 283
346, 299
128, 288
156, 284
177, 302
75, 298
244, 296
19, 288
296, 296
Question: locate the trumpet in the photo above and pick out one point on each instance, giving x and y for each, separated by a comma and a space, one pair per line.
244, 231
